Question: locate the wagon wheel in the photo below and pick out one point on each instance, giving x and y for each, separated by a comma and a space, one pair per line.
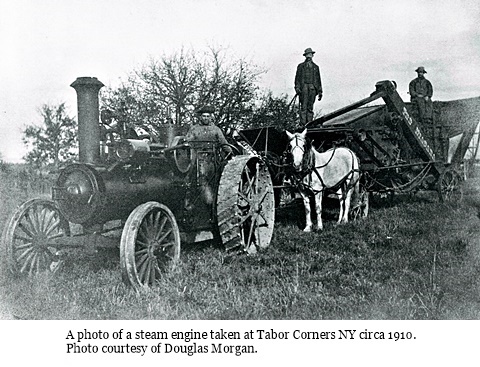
29, 237
449, 186
150, 244
245, 204
362, 205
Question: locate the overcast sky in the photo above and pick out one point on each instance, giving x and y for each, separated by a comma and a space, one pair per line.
45, 45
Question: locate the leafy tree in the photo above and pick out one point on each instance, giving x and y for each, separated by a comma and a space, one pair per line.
54, 141
280, 112
170, 88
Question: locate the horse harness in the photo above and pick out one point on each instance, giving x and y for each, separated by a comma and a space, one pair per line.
308, 166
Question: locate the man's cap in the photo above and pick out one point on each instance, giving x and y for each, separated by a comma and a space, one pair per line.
205, 109
308, 51
421, 69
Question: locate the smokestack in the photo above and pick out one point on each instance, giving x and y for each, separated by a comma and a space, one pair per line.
87, 89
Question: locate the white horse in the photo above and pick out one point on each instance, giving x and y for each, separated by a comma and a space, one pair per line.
336, 170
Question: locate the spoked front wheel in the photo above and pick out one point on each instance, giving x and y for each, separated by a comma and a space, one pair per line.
150, 244
30, 237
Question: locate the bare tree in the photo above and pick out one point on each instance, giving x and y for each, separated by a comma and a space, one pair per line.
171, 84
54, 141
230, 87
169, 89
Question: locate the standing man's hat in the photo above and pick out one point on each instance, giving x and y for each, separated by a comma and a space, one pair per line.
308, 51
205, 109
421, 69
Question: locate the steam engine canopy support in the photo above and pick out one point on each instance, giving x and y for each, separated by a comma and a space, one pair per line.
87, 89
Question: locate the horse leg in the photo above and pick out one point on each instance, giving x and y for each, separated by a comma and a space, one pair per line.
308, 217
354, 193
318, 208
348, 199
341, 199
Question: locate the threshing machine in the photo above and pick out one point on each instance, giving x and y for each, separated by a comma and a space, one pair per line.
397, 152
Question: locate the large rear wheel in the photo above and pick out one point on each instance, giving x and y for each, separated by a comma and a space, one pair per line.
245, 204
150, 244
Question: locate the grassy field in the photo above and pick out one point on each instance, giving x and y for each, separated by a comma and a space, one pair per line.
413, 258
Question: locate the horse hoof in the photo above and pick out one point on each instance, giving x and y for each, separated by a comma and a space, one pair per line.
307, 229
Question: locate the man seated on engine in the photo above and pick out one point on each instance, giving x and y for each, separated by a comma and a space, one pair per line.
206, 131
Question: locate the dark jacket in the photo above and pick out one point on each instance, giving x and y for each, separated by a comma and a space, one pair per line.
208, 133
300, 77
420, 87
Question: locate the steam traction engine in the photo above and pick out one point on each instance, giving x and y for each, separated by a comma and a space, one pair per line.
159, 194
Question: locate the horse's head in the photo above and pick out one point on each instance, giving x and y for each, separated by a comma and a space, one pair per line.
297, 144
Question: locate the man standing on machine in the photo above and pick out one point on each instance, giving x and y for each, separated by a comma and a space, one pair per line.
421, 92
308, 85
